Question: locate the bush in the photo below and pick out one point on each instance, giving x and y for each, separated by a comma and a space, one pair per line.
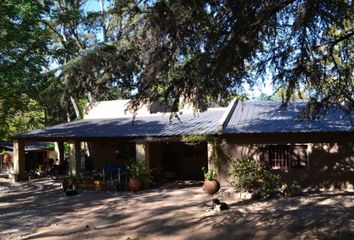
292, 190
208, 175
138, 170
248, 176
271, 183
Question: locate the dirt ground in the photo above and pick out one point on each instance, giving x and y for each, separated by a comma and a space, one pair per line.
38, 209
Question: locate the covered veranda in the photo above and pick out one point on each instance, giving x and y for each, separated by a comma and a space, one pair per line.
155, 140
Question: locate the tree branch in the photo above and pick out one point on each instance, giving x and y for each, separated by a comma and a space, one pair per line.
336, 41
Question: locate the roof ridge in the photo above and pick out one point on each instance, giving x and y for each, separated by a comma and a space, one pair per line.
224, 120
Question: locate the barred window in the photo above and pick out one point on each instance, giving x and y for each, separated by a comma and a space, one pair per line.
286, 156
279, 157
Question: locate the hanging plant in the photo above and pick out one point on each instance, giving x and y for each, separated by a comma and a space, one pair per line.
219, 152
194, 139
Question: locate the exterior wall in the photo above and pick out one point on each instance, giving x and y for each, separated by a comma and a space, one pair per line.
180, 160
109, 152
53, 154
330, 165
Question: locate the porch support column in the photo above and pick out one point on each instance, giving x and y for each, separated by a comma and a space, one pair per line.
59, 148
75, 158
211, 164
19, 161
142, 153
212, 159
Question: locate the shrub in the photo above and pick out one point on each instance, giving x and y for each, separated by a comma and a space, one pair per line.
138, 170
292, 190
270, 183
249, 176
246, 174
208, 175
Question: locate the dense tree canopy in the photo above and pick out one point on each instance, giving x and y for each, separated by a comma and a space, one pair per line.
23, 54
204, 51
199, 49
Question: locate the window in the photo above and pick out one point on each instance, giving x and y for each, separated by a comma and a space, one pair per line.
286, 156
279, 157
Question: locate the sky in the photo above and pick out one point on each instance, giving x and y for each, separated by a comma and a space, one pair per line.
265, 88
94, 5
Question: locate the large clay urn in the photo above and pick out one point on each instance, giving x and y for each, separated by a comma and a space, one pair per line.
211, 186
134, 185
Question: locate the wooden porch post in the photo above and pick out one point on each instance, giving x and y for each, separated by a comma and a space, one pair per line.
19, 161
60, 148
142, 153
75, 158
211, 164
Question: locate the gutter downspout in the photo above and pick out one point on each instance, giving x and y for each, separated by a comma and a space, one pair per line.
224, 120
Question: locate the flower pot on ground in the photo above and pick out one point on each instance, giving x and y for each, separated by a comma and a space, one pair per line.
211, 185
39, 171
70, 183
134, 184
99, 185
138, 173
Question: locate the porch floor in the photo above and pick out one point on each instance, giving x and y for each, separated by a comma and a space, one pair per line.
38, 209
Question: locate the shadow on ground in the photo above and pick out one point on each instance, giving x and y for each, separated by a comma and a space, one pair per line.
38, 209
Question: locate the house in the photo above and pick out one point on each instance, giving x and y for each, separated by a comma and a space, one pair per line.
315, 153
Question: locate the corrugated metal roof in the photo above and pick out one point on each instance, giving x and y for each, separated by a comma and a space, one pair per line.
266, 117
202, 123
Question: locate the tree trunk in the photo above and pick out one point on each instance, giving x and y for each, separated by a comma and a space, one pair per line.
104, 29
76, 107
68, 116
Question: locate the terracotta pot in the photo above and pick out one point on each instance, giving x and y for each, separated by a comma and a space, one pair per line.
134, 185
211, 187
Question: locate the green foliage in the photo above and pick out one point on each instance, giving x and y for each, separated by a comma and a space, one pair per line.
209, 175
66, 148
23, 57
270, 183
249, 176
3, 151
292, 190
203, 51
219, 153
195, 45
39, 169
29, 117
138, 170
51, 146
194, 139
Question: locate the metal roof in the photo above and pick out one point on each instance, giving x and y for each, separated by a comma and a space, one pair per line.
161, 125
266, 117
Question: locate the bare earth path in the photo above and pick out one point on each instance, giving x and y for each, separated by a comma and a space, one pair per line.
38, 209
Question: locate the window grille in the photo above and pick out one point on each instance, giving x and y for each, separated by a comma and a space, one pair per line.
287, 156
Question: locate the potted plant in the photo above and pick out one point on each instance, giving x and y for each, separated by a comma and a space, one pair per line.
39, 170
137, 173
71, 183
211, 185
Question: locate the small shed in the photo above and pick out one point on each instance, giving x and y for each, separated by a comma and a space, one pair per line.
35, 153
